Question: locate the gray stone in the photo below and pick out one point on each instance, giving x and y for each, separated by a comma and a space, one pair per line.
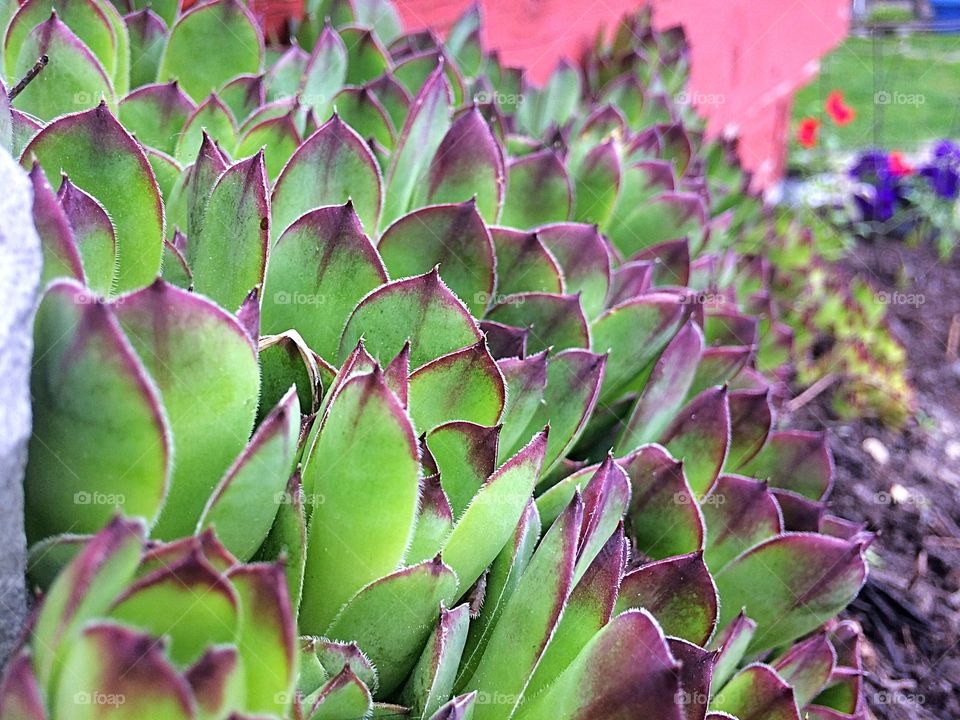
20, 263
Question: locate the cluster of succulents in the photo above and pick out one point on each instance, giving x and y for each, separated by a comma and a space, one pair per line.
832, 325
841, 336
453, 378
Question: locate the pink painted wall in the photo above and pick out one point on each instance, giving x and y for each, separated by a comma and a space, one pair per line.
748, 56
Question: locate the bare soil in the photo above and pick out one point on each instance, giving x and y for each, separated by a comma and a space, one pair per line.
910, 607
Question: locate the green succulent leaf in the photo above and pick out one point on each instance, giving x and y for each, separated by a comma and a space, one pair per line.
243, 505
319, 269
731, 645
526, 382
751, 417
235, 229
739, 512
807, 667
431, 681
626, 665
465, 455
165, 169
156, 114
530, 617
325, 72
200, 608
332, 166
555, 103
700, 436
596, 184
605, 499
539, 191
368, 59
73, 80
267, 637
679, 592
501, 582
588, 610
209, 44
490, 519
360, 109
366, 431
115, 663
213, 116
83, 591
414, 70
284, 76
452, 237
463, 41
188, 201
391, 618
393, 96
468, 165
344, 697
696, 671
85, 361
422, 133
757, 693
664, 217
718, 366
285, 361
671, 262
459, 708
287, 539
207, 374
434, 521
243, 95
216, 682
148, 36
421, 310
584, 258
791, 584
532, 268
103, 159
87, 22
94, 235
795, 460
552, 321
573, 385
635, 333
335, 655
665, 390
664, 517
465, 385
61, 258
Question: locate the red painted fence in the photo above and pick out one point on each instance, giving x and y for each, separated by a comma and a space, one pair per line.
748, 56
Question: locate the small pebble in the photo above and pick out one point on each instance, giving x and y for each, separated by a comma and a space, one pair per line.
952, 449
899, 494
877, 450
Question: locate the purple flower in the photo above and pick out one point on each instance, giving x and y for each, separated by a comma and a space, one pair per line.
943, 171
873, 169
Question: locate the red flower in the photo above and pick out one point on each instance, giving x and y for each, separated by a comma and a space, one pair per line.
838, 110
897, 165
807, 132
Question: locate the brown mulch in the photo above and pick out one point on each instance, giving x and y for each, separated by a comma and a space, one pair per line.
910, 607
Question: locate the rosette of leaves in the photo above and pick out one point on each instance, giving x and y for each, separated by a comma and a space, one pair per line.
395, 346
135, 629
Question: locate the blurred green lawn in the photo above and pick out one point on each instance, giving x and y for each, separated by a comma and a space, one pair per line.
906, 91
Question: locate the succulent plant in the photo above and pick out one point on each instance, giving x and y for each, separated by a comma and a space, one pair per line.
137, 629
473, 360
